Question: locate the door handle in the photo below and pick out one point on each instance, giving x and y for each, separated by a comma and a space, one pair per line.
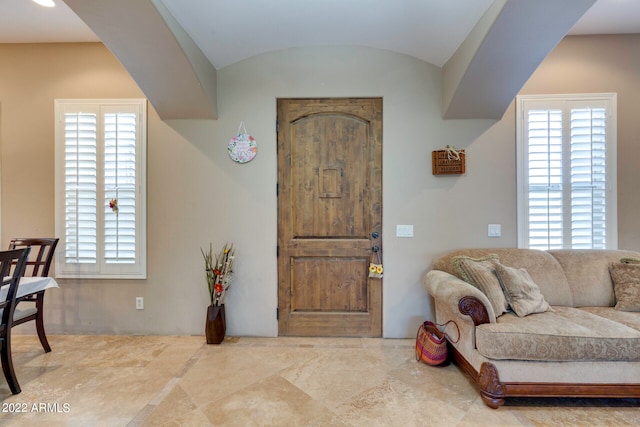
375, 235
376, 248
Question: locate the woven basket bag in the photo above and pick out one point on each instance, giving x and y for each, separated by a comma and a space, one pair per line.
431, 344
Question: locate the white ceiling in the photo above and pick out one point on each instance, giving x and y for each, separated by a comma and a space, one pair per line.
229, 31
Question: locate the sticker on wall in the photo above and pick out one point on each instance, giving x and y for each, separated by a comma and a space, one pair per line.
242, 148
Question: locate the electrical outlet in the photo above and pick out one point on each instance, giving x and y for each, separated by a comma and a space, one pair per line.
139, 303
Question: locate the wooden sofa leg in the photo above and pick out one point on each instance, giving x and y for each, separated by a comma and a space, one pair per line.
491, 389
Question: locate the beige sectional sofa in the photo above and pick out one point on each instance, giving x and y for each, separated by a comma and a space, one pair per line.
582, 346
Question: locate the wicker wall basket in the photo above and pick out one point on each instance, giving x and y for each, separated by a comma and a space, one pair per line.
443, 163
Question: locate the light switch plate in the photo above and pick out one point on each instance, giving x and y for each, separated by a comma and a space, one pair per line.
404, 230
494, 230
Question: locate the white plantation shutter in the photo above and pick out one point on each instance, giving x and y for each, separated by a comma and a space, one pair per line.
588, 178
101, 156
120, 184
545, 190
566, 172
80, 192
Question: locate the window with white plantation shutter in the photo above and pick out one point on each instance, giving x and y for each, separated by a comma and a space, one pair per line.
101, 162
567, 171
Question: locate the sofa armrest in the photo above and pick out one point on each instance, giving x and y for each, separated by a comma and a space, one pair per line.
473, 307
458, 294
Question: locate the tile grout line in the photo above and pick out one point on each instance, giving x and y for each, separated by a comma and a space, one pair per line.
144, 413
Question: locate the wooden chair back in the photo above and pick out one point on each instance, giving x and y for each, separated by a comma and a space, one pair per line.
41, 256
18, 258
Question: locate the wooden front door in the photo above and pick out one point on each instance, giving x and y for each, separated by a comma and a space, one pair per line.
329, 216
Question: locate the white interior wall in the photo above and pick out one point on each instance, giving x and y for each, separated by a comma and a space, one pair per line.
197, 194
412, 128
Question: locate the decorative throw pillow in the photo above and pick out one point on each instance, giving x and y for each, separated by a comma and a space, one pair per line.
479, 273
626, 286
523, 294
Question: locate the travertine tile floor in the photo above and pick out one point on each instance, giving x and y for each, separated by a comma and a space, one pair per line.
180, 381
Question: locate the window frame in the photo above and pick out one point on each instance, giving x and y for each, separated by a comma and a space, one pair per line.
565, 102
101, 269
